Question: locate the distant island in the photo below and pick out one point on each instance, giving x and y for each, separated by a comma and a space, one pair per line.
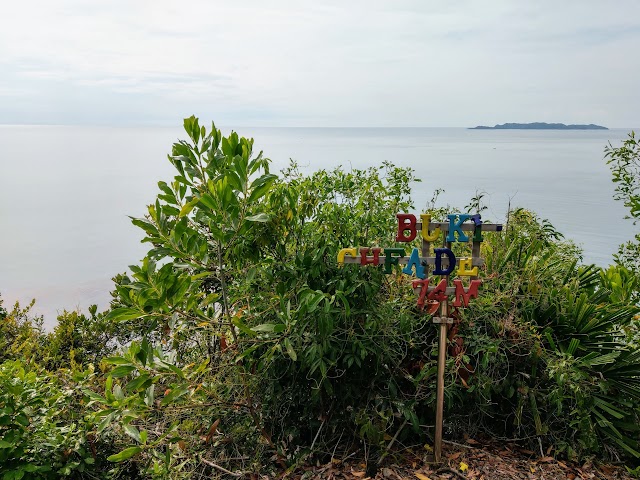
540, 126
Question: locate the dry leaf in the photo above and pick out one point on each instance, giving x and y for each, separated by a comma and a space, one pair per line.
546, 459
471, 441
357, 474
420, 476
453, 456
607, 470
212, 431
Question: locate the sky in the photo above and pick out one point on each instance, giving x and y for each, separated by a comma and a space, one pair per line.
320, 63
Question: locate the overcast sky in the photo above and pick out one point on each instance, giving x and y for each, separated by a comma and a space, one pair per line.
320, 63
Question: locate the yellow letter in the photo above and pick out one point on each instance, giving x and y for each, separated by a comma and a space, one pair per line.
425, 218
465, 268
351, 251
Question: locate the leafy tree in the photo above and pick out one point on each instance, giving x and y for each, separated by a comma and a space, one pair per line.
242, 273
21, 334
625, 168
79, 340
3, 312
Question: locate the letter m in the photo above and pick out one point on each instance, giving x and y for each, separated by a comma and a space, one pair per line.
462, 296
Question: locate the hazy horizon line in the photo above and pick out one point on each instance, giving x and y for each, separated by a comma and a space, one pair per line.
165, 125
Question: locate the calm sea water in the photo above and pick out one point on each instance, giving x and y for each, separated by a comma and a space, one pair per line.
66, 192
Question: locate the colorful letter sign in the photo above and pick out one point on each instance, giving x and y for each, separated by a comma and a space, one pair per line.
459, 228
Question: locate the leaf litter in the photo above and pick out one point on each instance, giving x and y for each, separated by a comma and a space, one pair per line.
474, 461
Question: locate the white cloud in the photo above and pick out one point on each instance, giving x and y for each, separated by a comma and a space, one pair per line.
332, 62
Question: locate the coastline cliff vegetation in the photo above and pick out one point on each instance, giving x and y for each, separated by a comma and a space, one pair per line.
238, 345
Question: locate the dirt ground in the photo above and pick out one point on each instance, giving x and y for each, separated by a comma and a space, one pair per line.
469, 460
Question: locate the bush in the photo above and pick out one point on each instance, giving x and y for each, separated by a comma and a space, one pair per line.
246, 321
244, 344
21, 334
41, 425
548, 345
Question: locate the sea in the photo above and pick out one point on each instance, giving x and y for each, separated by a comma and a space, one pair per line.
66, 192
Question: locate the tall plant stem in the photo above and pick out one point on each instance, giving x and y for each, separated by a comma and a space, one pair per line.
225, 297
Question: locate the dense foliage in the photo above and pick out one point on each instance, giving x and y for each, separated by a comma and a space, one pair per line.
625, 168
240, 344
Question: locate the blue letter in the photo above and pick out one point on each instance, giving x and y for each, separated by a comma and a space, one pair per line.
414, 259
452, 261
455, 227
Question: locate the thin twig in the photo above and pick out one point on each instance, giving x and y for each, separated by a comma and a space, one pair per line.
541, 451
335, 448
459, 444
451, 470
393, 440
222, 469
317, 434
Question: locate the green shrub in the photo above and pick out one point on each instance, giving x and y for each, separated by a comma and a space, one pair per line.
250, 342
549, 346
41, 425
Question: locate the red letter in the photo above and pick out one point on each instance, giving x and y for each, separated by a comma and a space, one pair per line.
464, 296
424, 286
406, 222
439, 293
365, 260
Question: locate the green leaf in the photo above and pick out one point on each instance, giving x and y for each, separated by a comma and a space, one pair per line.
176, 370
261, 186
22, 420
268, 327
125, 454
290, 350
122, 371
243, 328
122, 314
208, 200
133, 432
186, 209
106, 421
138, 383
117, 361
108, 388
149, 395
260, 217
174, 394
13, 475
